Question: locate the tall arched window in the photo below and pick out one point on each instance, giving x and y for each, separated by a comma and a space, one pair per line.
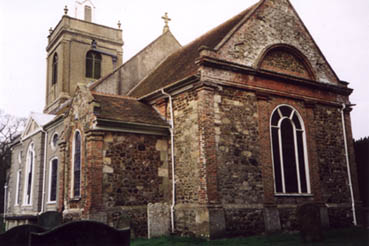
29, 175
93, 65
55, 69
291, 172
77, 165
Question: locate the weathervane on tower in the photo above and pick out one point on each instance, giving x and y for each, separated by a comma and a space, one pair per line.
166, 21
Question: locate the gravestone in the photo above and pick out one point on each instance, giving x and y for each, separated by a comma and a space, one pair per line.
19, 235
310, 222
82, 233
50, 219
158, 216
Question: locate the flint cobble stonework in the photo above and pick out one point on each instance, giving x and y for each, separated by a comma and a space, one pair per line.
135, 167
187, 153
243, 221
239, 172
332, 164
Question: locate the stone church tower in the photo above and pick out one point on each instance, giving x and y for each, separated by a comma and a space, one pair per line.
79, 51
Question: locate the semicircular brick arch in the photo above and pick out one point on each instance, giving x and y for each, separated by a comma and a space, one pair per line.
287, 60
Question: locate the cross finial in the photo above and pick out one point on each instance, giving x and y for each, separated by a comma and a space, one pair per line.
66, 10
166, 21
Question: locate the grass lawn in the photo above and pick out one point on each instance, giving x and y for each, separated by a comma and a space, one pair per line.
341, 237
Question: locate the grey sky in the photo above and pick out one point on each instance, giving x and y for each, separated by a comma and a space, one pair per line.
339, 27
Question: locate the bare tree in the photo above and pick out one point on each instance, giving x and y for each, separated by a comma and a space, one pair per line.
10, 127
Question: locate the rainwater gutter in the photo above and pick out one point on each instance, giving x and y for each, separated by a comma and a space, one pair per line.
44, 174
172, 155
348, 166
5, 200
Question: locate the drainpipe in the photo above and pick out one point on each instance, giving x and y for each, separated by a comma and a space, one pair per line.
172, 155
44, 174
5, 200
348, 165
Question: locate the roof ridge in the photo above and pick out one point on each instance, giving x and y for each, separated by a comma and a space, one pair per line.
181, 63
98, 82
113, 95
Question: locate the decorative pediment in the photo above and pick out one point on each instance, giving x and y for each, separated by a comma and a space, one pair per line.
35, 123
31, 128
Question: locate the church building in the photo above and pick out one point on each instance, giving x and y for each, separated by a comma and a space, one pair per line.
227, 135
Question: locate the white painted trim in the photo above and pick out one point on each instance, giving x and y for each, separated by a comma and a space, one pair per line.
44, 173
19, 176
297, 160
50, 180
172, 158
294, 194
281, 154
31, 148
20, 157
307, 169
72, 168
348, 165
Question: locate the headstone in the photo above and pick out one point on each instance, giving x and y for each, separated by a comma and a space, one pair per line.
19, 235
158, 216
310, 222
82, 233
271, 219
50, 219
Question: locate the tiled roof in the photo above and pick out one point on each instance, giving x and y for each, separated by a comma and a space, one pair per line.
126, 109
181, 64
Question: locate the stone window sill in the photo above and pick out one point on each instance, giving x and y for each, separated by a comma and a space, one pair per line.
293, 195
75, 199
26, 205
51, 203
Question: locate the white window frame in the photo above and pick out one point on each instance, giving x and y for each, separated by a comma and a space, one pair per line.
19, 176
307, 168
50, 180
31, 149
20, 157
72, 176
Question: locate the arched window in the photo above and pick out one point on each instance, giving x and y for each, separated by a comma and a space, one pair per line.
29, 175
93, 65
55, 69
54, 141
77, 165
53, 177
291, 172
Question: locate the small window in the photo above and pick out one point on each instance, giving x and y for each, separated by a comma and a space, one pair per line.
55, 69
77, 165
291, 174
53, 177
54, 141
93, 65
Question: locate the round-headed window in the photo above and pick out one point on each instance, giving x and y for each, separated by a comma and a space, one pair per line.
54, 140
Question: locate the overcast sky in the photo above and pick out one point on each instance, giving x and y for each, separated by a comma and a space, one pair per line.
340, 28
